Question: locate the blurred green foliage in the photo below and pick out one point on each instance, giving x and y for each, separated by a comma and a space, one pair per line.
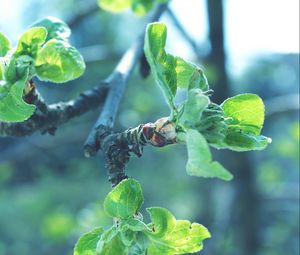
50, 194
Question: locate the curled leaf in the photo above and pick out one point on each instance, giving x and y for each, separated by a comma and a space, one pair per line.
12, 106
58, 61
170, 72
30, 41
171, 236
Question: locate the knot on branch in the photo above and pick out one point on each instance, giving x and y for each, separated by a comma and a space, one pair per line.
116, 154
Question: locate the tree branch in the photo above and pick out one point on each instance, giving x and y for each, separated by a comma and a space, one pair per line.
117, 82
48, 118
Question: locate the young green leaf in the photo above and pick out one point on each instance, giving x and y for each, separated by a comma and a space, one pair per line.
30, 41
115, 5
113, 247
4, 45
171, 236
124, 200
12, 106
170, 72
193, 107
57, 61
141, 7
200, 159
247, 112
87, 244
190, 76
239, 141
162, 64
56, 28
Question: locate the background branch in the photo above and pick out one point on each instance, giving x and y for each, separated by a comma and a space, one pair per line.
117, 82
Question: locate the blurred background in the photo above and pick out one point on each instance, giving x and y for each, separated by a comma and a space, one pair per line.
50, 194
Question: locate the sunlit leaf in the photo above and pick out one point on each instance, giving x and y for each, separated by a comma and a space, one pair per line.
115, 5
30, 41
124, 200
4, 45
56, 28
170, 72
247, 117
57, 61
162, 65
200, 159
171, 236
247, 112
139, 7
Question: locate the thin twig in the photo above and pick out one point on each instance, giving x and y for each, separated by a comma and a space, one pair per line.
117, 82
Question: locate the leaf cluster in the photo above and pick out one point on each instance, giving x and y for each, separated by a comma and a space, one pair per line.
235, 124
42, 51
130, 235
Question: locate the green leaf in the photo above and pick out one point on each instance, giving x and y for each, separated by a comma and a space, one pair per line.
57, 61
30, 41
124, 200
134, 225
18, 67
12, 106
114, 247
1, 70
141, 7
247, 112
56, 28
193, 107
4, 45
115, 5
162, 64
170, 72
190, 76
171, 236
141, 244
200, 159
238, 141
127, 237
87, 244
